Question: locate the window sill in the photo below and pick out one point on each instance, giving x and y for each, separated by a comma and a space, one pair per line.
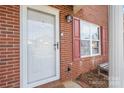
90, 56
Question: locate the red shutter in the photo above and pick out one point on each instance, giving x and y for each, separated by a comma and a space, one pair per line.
76, 39
102, 40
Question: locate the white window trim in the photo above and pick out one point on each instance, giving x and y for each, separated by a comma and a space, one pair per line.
91, 54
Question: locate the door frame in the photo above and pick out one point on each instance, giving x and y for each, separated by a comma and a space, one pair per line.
23, 44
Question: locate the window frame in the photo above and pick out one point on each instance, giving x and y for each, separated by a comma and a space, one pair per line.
91, 40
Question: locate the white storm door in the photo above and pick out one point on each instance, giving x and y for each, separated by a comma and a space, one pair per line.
42, 47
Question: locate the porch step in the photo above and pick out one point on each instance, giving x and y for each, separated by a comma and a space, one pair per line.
71, 84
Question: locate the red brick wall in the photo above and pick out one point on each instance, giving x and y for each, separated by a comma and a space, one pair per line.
9, 42
9, 46
66, 40
94, 14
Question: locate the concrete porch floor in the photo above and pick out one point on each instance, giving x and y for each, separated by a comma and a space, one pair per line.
71, 84
64, 84
88, 80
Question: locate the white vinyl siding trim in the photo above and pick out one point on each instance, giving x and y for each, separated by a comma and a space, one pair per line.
116, 48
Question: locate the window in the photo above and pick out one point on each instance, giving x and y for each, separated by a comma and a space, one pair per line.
89, 39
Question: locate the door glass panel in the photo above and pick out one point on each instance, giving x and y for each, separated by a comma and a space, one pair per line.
40, 46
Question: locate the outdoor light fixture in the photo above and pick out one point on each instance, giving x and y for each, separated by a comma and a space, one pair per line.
69, 18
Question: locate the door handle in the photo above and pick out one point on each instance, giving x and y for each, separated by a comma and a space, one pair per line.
56, 45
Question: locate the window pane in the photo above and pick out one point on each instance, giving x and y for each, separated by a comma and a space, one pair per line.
95, 47
85, 31
85, 47
95, 33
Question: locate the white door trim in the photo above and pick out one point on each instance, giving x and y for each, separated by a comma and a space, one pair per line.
23, 48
